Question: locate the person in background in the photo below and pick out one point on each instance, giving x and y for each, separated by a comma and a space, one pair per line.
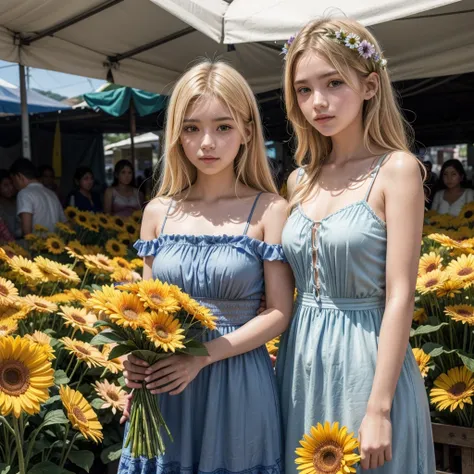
48, 179
431, 183
5, 235
8, 204
454, 192
36, 204
83, 198
123, 198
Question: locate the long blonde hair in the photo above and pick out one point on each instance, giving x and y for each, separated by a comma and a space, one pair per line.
384, 125
215, 79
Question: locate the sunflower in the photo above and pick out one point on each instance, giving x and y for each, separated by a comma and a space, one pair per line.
431, 281
137, 263
115, 248
137, 215
4, 256
8, 292
75, 249
80, 296
25, 269
55, 245
157, 296
48, 268
119, 262
122, 275
126, 309
40, 228
92, 226
132, 228
467, 212
99, 299
17, 249
118, 223
84, 351
8, 326
462, 268
429, 262
71, 212
65, 228
25, 376
450, 288
163, 330
419, 316
103, 220
99, 263
422, 359
327, 450
113, 396
79, 318
44, 341
42, 305
461, 312
272, 346
113, 365
81, 218
80, 414
453, 389
124, 238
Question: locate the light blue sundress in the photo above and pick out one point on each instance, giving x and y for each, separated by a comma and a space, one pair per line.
227, 420
327, 357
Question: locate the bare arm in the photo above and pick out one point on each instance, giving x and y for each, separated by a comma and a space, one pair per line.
26, 219
108, 201
404, 202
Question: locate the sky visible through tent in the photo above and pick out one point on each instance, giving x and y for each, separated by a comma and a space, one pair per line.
66, 85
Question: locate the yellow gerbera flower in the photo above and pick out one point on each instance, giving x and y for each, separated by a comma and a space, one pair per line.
99, 299
327, 450
17, 249
126, 309
80, 414
419, 316
431, 281
66, 274
55, 245
115, 248
80, 296
60, 298
429, 262
453, 389
25, 269
422, 359
122, 275
137, 263
113, 365
463, 313
157, 296
462, 268
75, 249
163, 330
4, 256
79, 318
8, 292
8, 326
44, 341
445, 241
25, 376
42, 305
84, 351
99, 263
113, 396
450, 288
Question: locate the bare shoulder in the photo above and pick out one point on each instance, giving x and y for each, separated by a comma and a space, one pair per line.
153, 216
273, 204
401, 165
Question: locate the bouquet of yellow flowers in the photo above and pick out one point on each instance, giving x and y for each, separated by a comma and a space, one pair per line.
151, 320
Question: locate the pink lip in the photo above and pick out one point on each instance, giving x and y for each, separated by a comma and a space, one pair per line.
323, 118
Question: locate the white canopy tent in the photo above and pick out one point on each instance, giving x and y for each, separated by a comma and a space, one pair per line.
147, 44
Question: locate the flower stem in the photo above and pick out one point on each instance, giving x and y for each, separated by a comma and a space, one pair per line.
19, 444
63, 461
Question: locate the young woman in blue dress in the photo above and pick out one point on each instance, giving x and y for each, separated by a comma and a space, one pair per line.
214, 229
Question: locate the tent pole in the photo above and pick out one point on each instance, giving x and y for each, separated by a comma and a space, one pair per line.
133, 128
25, 124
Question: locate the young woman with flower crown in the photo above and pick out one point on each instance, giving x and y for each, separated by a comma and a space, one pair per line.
214, 230
353, 241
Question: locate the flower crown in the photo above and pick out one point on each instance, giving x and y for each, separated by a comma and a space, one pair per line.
352, 41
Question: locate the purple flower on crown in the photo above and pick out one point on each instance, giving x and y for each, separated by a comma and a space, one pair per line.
287, 45
366, 49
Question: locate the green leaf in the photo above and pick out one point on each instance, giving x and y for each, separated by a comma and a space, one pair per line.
467, 361
47, 467
195, 351
426, 329
60, 377
119, 351
83, 459
54, 398
97, 403
96, 287
99, 324
55, 417
434, 350
105, 338
112, 453
150, 356
4, 468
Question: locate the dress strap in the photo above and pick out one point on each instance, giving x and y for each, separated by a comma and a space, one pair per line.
374, 174
251, 213
172, 203
299, 175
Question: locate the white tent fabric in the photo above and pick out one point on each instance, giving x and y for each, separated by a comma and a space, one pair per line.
147, 44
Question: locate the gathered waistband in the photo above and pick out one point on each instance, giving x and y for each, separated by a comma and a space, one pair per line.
345, 304
231, 312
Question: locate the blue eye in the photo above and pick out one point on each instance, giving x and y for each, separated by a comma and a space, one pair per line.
303, 90
335, 83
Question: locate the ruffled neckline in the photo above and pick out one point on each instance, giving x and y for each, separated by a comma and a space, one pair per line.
249, 245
